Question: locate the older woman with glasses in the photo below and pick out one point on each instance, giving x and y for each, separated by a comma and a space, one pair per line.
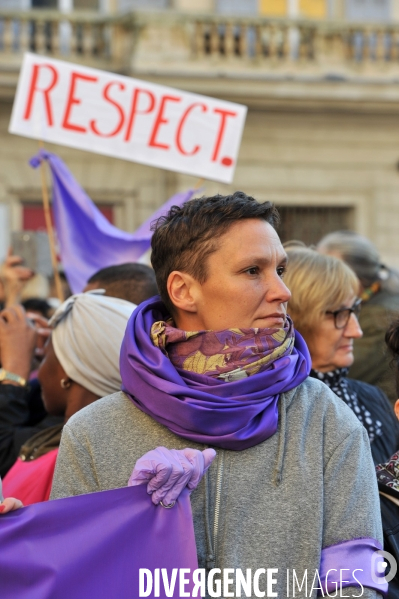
324, 307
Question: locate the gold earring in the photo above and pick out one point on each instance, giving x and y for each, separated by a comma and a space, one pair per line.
65, 383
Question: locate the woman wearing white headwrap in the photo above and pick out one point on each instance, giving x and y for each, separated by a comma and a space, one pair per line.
80, 365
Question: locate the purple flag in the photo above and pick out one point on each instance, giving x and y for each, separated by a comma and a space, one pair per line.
93, 546
88, 241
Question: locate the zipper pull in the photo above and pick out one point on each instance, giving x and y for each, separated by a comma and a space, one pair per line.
210, 562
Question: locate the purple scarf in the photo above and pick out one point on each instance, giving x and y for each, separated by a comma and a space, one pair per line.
229, 355
231, 415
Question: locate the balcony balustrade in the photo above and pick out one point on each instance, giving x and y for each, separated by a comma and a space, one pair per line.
164, 41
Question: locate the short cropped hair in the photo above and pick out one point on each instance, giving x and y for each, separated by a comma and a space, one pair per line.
130, 281
357, 251
185, 238
318, 283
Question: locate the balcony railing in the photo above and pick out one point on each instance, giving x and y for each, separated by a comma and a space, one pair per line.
298, 41
91, 38
166, 41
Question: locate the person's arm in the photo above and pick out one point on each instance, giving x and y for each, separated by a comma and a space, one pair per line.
74, 471
17, 343
9, 504
351, 507
14, 277
14, 413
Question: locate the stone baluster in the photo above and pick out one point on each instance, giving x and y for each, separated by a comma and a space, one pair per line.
24, 39
347, 40
244, 41
367, 47
229, 40
258, 41
265, 36
322, 44
98, 40
389, 49
118, 43
352, 45
199, 40
382, 42
207, 33
285, 42
341, 47
7, 36
87, 39
395, 46
40, 37
214, 42
55, 38
311, 53
273, 49
221, 28
301, 43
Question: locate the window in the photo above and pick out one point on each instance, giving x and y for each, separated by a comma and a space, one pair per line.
44, 3
86, 4
33, 215
237, 7
368, 10
310, 223
313, 9
124, 5
274, 8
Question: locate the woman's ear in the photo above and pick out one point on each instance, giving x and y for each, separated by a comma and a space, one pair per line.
397, 408
181, 290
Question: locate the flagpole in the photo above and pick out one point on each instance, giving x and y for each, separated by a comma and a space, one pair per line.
199, 184
49, 227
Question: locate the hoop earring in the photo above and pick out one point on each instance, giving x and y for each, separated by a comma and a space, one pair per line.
65, 383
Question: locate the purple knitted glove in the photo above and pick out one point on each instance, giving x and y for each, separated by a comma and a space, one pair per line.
169, 471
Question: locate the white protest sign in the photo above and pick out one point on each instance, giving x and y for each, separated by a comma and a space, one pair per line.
102, 112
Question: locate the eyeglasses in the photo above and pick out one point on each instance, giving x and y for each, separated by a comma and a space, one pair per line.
342, 316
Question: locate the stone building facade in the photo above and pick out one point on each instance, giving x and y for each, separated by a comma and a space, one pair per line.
320, 78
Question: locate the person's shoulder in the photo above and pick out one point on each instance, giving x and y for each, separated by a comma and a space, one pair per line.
320, 411
377, 403
315, 394
385, 299
112, 417
116, 406
365, 389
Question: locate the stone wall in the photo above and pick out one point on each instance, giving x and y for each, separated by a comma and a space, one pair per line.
325, 159
322, 129
291, 158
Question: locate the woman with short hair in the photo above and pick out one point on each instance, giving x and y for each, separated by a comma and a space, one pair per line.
324, 307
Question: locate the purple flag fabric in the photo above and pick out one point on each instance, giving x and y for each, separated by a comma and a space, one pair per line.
88, 241
93, 546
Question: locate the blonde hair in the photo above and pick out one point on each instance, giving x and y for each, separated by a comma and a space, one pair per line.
318, 283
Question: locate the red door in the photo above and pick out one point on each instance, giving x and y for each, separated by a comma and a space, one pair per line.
33, 215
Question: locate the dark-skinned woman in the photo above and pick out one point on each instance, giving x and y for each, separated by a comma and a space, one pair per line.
80, 365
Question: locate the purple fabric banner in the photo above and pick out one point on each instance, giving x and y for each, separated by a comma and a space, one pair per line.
88, 241
93, 546
352, 563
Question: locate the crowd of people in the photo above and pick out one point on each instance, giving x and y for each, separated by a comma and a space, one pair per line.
284, 360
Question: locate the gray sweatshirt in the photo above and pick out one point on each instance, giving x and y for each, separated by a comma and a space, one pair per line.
275, 505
